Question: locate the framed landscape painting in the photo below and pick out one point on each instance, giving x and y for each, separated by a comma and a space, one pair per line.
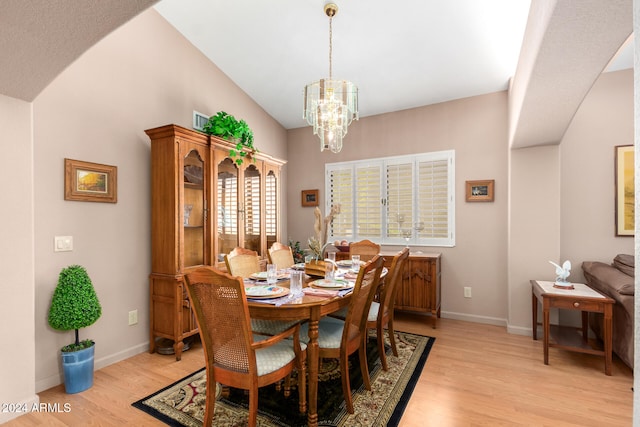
90, 182
625, 191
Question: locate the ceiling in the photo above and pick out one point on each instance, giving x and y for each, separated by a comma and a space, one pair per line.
400, 54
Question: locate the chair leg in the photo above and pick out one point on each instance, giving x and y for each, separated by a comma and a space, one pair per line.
392, 336
364, 366
210, 402
380, 338
253, 406
287, 386
346, 385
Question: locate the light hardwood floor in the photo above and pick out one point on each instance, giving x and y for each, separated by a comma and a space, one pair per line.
476, 375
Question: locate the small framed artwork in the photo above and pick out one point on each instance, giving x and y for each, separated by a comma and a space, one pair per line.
309, 197
479, 191
625, 190
90, 182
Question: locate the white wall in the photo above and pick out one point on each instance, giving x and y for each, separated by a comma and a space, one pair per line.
17, 360
143, 75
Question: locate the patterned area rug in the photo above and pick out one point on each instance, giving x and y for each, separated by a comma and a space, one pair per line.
182, 403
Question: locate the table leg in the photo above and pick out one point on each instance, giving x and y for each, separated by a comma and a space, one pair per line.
608, 337
547, 331
534, 312
585, 326
313, 356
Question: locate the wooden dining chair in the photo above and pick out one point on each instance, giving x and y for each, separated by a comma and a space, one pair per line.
242, 262
235, 356
381, 312
338, 339
365, 248
281, 255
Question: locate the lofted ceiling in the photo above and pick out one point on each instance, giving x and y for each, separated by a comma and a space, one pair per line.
401, 54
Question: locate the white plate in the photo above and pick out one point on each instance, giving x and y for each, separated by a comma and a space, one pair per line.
299, 266
344, 263
331, 284
265, 291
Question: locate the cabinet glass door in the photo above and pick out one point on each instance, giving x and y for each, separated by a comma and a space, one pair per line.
271, 208
227, 206
251, 208
193, 216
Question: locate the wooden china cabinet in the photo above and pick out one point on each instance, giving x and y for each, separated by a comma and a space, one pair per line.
203, 204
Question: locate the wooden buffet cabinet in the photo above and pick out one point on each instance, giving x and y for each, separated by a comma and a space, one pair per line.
420, 290
203, 204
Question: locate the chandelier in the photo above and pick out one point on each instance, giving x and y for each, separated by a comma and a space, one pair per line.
330, 105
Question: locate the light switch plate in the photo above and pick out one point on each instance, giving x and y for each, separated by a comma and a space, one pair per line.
63, 244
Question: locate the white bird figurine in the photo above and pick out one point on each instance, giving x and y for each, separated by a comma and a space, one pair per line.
562, 272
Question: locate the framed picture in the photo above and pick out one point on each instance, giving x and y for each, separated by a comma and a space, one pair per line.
309, 197
625, 190
90, 182
479, 191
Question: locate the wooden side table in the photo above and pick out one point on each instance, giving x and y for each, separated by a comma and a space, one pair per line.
582, 298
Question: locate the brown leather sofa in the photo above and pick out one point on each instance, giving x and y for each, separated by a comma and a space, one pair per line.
615, 280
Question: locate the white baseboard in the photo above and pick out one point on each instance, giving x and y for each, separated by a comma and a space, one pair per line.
54, 380
121, 355
19, 408
474, 318
520, 330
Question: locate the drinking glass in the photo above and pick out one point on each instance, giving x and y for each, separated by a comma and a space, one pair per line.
331, 256
295, 285
355, 262
329, 272
407, 235
272, 274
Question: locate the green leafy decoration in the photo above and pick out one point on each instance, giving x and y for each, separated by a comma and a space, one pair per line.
75, 303
228, 127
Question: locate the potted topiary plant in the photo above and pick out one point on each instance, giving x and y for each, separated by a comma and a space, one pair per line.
75, 305
228, 127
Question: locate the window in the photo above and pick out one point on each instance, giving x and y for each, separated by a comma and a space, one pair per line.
394, 200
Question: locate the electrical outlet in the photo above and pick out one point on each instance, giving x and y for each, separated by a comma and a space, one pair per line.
467, 292
133, 317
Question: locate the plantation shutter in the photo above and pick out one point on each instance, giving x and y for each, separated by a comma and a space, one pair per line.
394, 200
368, 201
399, 187
433, 198
340, 192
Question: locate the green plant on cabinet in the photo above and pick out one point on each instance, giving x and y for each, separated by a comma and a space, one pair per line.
228, 127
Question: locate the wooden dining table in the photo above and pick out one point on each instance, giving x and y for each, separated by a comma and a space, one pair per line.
310, 308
